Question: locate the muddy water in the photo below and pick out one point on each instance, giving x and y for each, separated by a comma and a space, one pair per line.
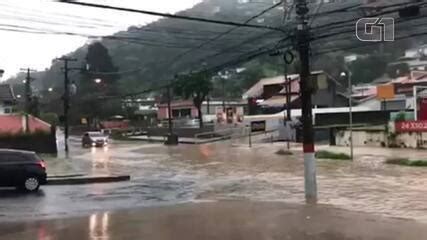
367, 184
187, 173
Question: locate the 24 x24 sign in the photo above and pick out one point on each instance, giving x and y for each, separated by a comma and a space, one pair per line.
411, 126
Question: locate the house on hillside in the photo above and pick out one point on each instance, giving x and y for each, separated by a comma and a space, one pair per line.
7, 99
402, 92
270, 94
417, 52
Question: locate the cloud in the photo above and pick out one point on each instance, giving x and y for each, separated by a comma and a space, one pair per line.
36, 50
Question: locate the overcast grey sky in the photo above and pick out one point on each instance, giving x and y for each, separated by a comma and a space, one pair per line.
21, 50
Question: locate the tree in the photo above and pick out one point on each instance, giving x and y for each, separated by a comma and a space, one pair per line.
196, 87
99, 66
367, 69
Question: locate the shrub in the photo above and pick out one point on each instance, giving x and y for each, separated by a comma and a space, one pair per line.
331, 155
407, 162
284, 152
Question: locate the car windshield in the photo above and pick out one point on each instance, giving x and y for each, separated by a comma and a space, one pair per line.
215, 119
96, 135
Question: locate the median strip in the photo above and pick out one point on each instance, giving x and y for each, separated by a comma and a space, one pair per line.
86, 180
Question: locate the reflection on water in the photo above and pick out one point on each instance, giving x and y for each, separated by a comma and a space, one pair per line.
98, 226
42, 233
100, 159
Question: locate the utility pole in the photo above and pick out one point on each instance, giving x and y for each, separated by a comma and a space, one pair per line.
287, 118
303, 42
66, 98
169, 111
172, 139
223, 93
28, 94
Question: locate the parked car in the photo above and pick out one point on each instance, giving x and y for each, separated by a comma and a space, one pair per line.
22, 169
94, 139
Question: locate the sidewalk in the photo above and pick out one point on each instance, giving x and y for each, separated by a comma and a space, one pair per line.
222, 220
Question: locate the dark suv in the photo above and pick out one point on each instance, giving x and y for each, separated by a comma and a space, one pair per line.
22, 169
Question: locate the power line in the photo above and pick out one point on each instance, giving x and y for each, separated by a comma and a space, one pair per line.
225, 33
372, 15
64, 16
352, 30
168, 15
365, 45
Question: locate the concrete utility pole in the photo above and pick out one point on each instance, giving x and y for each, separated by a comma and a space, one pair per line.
28, 94
66, 98
350, 105
306, 85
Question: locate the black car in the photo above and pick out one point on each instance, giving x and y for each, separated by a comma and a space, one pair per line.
22, 169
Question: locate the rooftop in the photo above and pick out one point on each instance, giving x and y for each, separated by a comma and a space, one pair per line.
6, 93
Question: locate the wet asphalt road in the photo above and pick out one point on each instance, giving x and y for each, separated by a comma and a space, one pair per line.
218, 221
171, 175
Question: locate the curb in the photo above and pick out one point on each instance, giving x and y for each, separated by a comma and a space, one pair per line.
66, 175
87, 180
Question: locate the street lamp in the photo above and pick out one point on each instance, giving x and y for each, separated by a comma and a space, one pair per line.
50, 89
98, 81
350, 104
18, 96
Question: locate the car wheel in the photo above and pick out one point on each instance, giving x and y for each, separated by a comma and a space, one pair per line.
31, 184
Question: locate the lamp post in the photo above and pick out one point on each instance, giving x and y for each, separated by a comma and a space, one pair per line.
350, 105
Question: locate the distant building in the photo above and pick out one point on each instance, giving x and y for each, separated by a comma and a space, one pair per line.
270, 94
403, 93
7, 99
417, 52
182, 109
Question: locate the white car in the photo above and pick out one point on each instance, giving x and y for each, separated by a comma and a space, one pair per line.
94, 139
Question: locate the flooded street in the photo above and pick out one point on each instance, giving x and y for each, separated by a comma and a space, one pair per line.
198, 173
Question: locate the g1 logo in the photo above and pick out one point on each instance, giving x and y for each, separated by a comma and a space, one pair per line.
375, 29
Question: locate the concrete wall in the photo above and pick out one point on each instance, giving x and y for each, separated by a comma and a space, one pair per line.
362, 138
381, 139
411, 140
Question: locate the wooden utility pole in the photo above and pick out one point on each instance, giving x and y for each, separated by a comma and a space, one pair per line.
28, 95
66, 99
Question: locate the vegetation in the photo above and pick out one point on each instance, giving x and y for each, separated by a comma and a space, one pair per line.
148, 56
51, 118
401, 116
331, 155
407, 162
89, 99
196, 87
369, 68
284, 152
